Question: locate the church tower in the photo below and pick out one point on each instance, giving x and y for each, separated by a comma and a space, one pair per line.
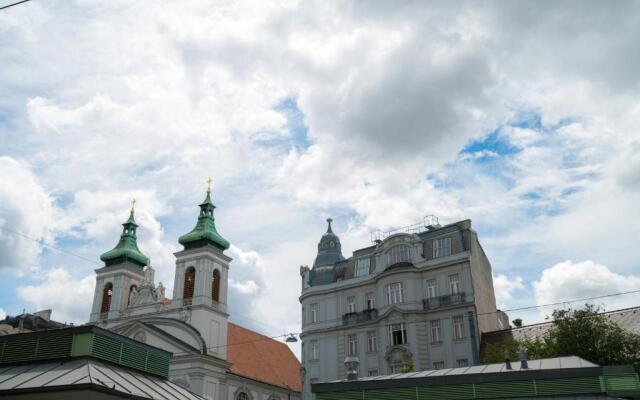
201, 278
122, 272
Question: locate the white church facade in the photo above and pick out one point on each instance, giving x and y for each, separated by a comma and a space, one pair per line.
211, 356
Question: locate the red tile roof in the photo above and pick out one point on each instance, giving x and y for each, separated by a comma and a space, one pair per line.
261, 358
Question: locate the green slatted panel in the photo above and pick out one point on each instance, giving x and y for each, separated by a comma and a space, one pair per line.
621, 382
505, 389
158, 363
133, 356
56, 345
554, 387
391, 394
446, 392
348, 395
106, 348
20, 349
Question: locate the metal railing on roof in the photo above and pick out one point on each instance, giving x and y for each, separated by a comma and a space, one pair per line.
429, 222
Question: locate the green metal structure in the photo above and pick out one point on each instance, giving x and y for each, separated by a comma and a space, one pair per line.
204, 234
127, 247
83, 341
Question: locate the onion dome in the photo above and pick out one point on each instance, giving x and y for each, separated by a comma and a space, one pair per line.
204, 234
329, 248
127, 247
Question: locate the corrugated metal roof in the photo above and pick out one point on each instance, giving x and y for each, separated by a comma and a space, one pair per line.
72, 372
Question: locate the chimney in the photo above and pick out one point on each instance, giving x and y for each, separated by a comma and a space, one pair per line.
523, 359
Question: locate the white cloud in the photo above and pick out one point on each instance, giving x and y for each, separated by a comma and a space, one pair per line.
27, 215
578, 280
3, 314
70, 298
504, 287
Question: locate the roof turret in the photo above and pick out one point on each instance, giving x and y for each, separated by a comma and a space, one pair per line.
127, 247
329, 248
205, 233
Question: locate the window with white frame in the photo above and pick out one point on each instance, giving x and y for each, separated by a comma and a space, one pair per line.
438, 365
435, 331
458, 327
399, 253
314, 350
314, 312
373, 372
394, 293
397, 334
351, 304
395, 369
370, 299
462, 362
372, 342
441, 247
454, 284
432, 289
352, 345
362, 266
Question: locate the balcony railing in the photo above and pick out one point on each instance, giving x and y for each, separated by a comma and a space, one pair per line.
444, 301
362, 316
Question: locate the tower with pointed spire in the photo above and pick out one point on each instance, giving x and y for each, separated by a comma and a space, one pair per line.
122, 271
329, 248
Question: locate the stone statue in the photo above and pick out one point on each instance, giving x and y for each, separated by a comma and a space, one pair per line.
133, 296
160, 292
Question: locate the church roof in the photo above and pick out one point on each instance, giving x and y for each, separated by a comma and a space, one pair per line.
205, 232
127, 247
261, 358
329, 248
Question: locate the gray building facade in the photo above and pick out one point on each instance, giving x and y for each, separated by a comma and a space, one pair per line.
418, 299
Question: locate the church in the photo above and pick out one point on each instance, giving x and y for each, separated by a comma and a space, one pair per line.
212, 357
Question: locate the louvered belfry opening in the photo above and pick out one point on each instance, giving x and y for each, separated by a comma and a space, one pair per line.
107, 292
189, 283
215, 286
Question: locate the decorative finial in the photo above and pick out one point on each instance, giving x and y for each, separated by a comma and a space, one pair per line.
133, 205
329, 221
209, 185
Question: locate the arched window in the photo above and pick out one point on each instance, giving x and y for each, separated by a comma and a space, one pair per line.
242, 396
107, 292
189, 283
398, 254
215, 286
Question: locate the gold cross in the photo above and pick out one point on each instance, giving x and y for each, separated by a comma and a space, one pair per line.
209, 185
133, 204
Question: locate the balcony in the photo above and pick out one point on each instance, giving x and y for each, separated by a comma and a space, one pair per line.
358, 317
444, 301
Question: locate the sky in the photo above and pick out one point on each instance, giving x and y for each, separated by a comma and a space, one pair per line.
521, 116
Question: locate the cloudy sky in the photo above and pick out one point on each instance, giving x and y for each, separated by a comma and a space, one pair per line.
521, 116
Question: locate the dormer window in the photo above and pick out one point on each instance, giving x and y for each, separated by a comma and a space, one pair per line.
362, 266
442, 247
398, 254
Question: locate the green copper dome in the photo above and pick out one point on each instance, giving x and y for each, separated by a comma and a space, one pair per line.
127, 247
205, 233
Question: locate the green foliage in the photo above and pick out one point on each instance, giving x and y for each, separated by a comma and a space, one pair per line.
586, 333
408, 367
517, 322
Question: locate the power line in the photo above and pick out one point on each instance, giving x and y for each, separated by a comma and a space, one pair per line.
14, 4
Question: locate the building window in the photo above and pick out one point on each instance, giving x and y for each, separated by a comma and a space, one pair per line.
351, 304
398, 254
352, 345
242, 396
435, 331
462, 362
215, 286
397, 334
432, 289
372, 342
107, 293
458, 327
454, 284
189, 283
373, 372
394, 293
371, 301
362, 266
394, 369
438, 365
441, 247
314, 312
314, 352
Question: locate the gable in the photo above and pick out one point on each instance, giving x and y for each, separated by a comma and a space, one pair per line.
165, 333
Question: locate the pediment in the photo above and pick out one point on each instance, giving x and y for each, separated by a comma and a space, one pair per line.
165, 333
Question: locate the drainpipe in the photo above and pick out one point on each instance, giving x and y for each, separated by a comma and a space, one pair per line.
472, 336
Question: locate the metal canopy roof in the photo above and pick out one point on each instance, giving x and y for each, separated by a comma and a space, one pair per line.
76, 374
